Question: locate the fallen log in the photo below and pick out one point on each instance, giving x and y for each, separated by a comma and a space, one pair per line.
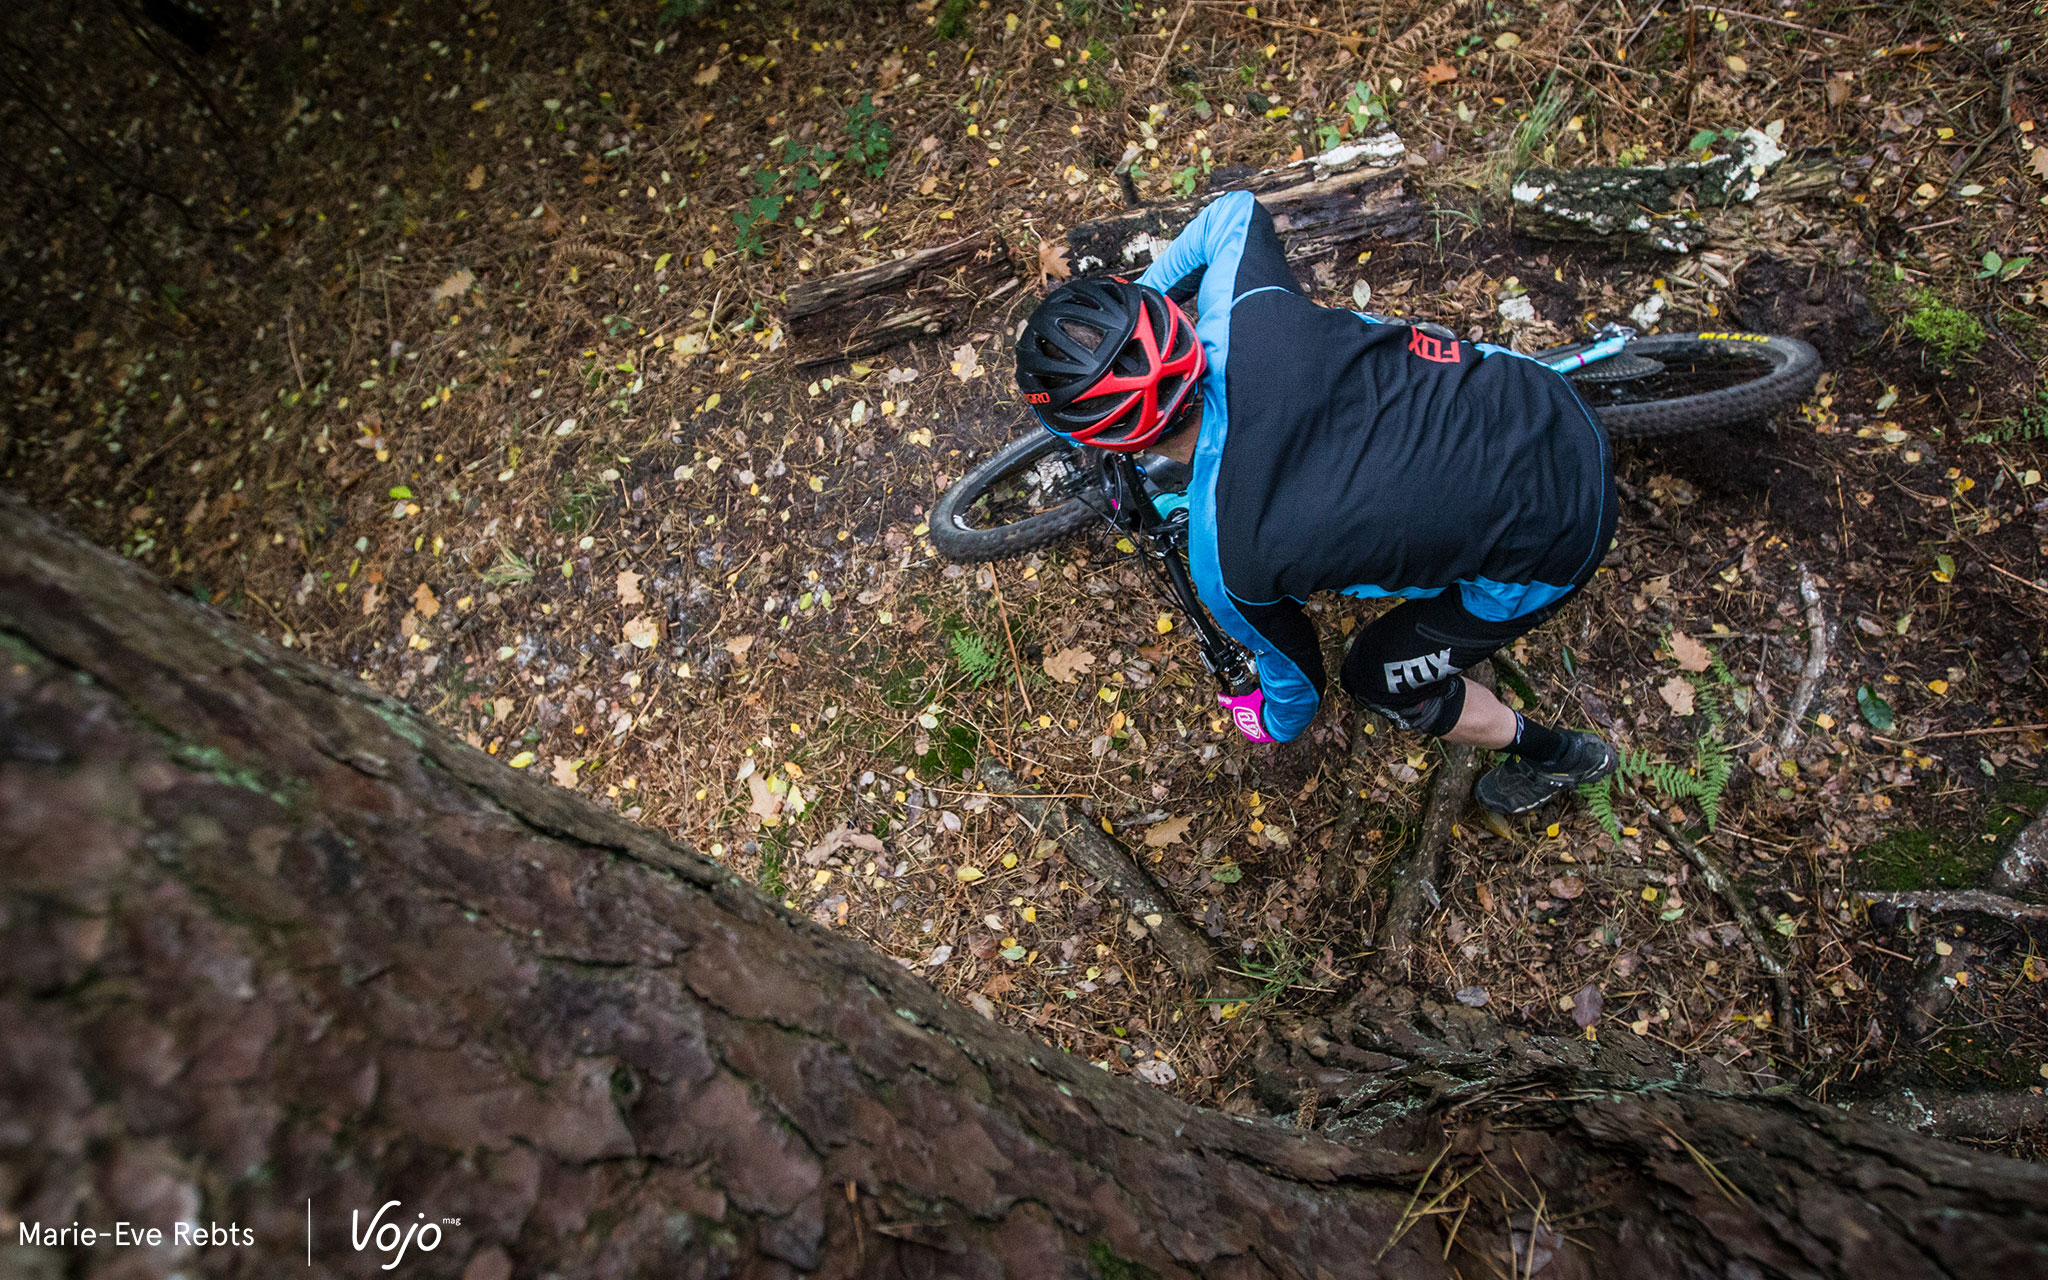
1318, 205
276, 950
858, 313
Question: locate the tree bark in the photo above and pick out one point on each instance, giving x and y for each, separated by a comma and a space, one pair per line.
268, 938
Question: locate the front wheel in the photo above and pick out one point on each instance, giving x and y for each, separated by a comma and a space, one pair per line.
1677, 382
1031, 492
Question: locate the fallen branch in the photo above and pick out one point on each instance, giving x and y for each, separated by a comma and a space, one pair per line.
1816, 660
1724, 887
1088, 848
1413, 894
858, 313
1940, 901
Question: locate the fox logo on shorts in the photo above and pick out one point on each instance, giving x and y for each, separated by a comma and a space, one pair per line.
1427, 669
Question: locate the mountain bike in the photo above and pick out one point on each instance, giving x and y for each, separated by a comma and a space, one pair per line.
1039, 489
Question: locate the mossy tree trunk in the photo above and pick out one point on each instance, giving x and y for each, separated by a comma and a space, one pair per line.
268, 938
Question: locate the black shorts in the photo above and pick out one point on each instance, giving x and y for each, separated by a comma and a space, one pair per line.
1408, 662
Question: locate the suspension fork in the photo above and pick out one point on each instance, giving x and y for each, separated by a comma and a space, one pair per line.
1163, 546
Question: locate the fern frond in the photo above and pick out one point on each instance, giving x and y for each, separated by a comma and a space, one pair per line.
977, 661
1599, 798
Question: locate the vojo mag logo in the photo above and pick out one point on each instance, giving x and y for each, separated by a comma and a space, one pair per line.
390, 1237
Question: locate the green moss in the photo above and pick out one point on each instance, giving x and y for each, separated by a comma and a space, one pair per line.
1922, 858
1950, 331
1110, 1267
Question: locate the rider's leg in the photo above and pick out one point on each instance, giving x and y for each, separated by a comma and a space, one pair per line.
1408, 665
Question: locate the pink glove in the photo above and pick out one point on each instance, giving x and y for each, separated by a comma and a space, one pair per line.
1246, 712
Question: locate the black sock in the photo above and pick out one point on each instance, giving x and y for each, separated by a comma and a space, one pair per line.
1540, 745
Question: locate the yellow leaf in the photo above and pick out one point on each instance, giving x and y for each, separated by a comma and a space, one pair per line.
1164, 625
1552, 830
1939, 686
968, 874
521, 760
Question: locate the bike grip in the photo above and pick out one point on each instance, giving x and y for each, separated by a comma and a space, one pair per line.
1246, 711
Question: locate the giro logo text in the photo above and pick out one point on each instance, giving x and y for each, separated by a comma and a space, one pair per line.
395, 1237
1418, 671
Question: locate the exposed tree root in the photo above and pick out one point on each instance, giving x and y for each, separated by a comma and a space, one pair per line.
1106, 860
1945, 1113
2023, 863
1816, 660
1413, 893
1744, 911
1939, 901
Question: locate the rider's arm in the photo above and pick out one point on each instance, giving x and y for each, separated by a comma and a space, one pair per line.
1235, 239
1290, 664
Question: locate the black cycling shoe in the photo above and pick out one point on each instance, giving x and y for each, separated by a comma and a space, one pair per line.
1516, 786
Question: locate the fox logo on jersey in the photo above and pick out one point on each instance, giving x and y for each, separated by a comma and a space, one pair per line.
1430, 347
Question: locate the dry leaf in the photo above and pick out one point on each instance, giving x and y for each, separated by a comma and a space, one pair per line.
475, 178
551, 223
929, 185
738, 646
454, 286
1677, 694
629, 587
642, 631
423, 600
1052, 261
1439, 73
1067, 665
1294, 156
565, 771
706, 75
840, 838
766, 803
966, 360
1690, 653
1567, 887
1171, 831
1586, 1005
2039, 162
372, 598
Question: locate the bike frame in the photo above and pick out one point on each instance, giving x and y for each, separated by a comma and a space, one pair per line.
1162, 540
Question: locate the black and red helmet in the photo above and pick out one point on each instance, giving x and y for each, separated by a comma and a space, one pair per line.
1109, 363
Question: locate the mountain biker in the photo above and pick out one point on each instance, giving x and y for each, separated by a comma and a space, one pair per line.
1338, 451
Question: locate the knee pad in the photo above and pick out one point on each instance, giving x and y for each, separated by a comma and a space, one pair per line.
1434, 715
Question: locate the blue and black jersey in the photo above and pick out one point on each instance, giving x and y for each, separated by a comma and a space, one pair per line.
1345, 452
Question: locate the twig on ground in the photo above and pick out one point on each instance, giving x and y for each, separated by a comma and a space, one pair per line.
1016, 665
1816, 660
1108, 862
1938, 901
1166, 53
1744, 911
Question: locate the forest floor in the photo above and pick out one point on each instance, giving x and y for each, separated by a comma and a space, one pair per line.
444, 343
